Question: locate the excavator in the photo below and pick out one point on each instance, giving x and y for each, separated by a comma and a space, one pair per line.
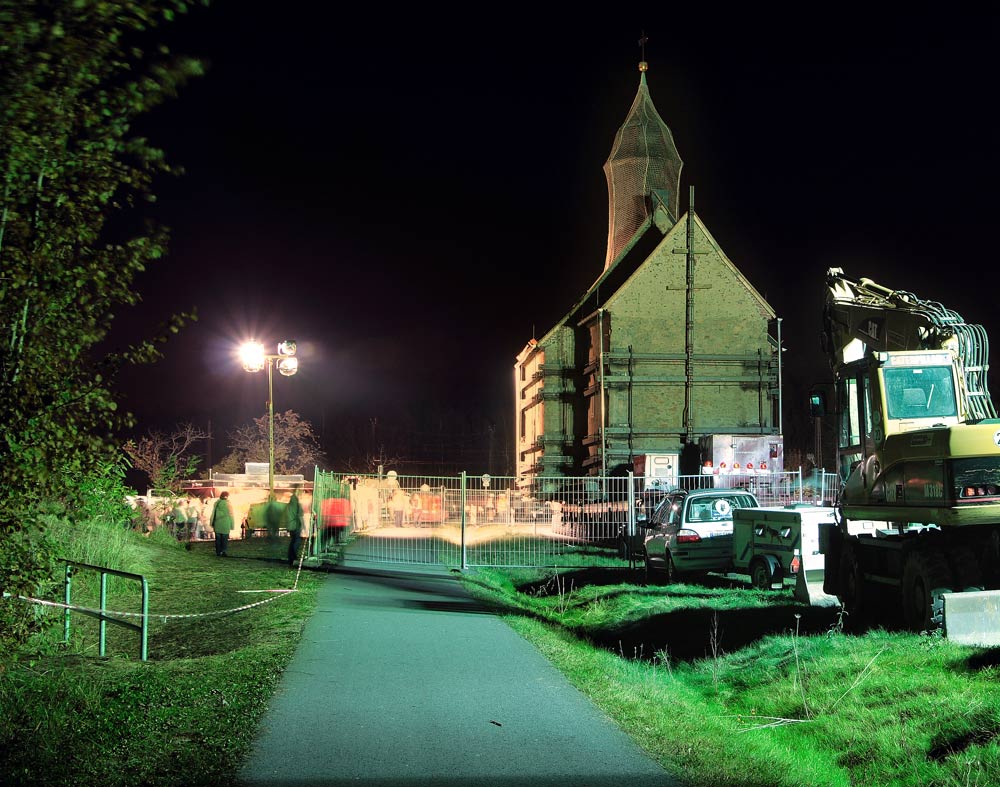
917, 538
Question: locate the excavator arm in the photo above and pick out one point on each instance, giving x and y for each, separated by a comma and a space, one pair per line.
861, 315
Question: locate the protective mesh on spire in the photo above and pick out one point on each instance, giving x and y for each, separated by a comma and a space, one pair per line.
643, 159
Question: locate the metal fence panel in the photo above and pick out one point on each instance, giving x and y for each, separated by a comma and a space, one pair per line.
468, 520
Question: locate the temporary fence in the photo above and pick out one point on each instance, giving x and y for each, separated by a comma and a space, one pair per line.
482, 520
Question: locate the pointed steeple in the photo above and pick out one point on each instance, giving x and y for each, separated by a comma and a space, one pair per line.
643, 170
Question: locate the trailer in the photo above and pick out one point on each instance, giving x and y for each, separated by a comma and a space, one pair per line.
657, 472
732, 456
773, 544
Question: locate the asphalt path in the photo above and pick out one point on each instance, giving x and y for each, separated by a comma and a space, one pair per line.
403, 679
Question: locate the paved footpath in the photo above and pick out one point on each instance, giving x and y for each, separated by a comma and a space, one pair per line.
404, 679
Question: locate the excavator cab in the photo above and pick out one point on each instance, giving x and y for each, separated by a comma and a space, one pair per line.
918, 387
902, 428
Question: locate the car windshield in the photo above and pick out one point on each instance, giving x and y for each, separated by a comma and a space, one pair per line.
717, 508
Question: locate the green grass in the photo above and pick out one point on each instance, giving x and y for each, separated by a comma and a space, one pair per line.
722, 684
729, 686
185, 717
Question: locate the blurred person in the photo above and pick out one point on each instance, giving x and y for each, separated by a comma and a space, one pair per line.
145, 519
193, 519
222, 524
503, 508
293, 524
204, 517
398, 504
273, 515
178, 520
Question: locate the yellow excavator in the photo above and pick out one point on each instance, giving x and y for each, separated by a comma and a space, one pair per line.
918, 534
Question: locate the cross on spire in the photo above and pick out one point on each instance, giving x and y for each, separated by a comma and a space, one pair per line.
642, 46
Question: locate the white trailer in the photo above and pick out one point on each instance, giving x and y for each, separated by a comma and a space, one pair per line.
773, 544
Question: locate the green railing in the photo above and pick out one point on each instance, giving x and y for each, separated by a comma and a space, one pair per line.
101, 613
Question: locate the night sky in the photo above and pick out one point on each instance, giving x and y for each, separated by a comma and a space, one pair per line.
411, 196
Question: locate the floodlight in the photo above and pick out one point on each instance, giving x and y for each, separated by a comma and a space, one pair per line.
254, 359
253, 356
288, 366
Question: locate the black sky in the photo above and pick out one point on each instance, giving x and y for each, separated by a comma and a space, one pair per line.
412, 194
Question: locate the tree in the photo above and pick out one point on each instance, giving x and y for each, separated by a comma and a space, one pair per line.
364, 447
296, 449
73, 78
166, 459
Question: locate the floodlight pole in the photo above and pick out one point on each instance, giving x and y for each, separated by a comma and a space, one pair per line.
253, 361
270, 424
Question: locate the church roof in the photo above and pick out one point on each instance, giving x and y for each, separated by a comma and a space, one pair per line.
644, 162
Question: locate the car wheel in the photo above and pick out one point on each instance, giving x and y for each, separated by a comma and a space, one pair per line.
669, 568
760, 574
652, 575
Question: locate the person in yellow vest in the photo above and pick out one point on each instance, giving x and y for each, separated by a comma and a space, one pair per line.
222, 524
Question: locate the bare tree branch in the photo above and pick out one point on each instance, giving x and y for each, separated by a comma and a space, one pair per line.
167, 458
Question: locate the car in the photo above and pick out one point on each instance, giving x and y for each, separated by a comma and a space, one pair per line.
691, 532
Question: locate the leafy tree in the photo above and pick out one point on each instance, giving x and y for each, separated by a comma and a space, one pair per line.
166, 459
74, 76
296, 449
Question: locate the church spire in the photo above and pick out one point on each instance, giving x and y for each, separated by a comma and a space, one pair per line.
643, 169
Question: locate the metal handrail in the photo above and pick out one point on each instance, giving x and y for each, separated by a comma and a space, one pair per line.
142, 628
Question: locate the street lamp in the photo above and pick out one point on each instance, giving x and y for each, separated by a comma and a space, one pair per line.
254, 358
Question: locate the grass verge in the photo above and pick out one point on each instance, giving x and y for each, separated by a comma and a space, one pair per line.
733, 687
185, 717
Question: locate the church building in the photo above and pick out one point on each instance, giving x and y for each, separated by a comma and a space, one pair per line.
669, 347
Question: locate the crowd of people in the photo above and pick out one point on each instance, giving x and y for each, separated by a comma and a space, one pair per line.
194, 519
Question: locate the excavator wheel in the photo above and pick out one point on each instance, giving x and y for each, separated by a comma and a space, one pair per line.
851, 585
966, 569
991, 560
926, 578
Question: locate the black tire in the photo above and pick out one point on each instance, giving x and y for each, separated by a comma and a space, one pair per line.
850, 584
926, 577
760, 574
966, 569
653, 575
669, 569
624, 553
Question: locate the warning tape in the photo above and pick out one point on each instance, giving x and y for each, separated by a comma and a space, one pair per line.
149, 615
278, 593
